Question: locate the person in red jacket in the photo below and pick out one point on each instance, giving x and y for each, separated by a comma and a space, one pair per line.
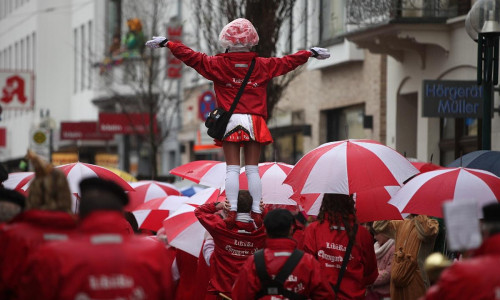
477, 277
327, 240
232, 246
305, 279
103, 262
46, 219
247, 126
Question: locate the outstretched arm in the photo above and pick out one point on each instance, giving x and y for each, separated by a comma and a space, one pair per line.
196, 60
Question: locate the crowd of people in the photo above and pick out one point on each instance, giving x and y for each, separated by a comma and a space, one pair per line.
47, 252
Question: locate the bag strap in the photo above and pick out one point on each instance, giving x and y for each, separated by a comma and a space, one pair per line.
275, 286
347, 256
289, 265
242, 88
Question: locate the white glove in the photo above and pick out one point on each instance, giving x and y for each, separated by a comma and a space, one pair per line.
157, 42
320, 53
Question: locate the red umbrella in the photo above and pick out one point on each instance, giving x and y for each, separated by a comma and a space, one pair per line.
426, 193
146, 190
184, 231
272, 175
206, 172
350, 166
425, 166
150, 215
371, 205
19, 181
75, 172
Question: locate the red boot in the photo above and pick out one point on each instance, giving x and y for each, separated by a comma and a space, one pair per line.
230, 219
257, 218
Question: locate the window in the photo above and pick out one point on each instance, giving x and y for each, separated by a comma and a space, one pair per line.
459, 136
331, 19
9, 59
28, 53
75, 60
345, 123
16, 56
113, 21
33, 39
23, 55
89, 53
82, 55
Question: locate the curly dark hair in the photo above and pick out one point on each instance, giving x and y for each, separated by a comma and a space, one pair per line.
338, 209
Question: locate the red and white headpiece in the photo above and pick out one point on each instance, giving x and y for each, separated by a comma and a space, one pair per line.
239, 33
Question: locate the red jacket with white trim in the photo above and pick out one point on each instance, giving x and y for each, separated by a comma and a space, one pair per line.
329, 246
22, 236
227, 71
474, 278
305, 278
102, 263
232, 247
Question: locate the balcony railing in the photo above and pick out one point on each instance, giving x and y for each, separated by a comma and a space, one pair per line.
367, 13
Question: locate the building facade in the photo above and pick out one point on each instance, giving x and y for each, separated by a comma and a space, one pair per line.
86, 103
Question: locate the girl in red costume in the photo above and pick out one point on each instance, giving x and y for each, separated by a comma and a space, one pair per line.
247, 127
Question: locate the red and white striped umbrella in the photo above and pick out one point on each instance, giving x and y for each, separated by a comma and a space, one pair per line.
150, 215
206, 172
272, 175
425, 166
19, 181
425, 193
184, 231
208, 195
146, 190
371, 205
347, 167
75, 172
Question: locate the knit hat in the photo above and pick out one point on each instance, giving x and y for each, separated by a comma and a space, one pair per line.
491, 213
239, 33
12, 196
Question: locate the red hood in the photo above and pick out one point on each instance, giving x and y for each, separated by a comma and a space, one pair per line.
105, 222
281, 244
491, 246
46, 218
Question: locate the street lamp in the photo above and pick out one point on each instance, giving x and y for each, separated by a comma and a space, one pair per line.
482, 25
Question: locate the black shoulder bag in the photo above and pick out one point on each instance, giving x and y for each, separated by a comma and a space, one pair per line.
218, 118
275, 286
347, 256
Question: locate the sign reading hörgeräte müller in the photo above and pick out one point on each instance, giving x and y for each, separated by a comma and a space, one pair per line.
452, 99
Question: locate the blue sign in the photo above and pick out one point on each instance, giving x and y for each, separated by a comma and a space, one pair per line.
452, 99
206, 103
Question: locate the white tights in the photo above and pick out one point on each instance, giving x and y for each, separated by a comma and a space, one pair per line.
233, 185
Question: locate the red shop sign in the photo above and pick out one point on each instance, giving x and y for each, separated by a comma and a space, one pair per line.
82, 131
125, 123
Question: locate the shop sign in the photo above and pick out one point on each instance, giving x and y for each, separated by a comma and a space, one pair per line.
452, 99
82, 131
134, 123
16, 90
107, 160
174, 65
3, 137
64, 158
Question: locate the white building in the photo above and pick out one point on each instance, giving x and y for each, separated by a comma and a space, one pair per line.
62, 44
